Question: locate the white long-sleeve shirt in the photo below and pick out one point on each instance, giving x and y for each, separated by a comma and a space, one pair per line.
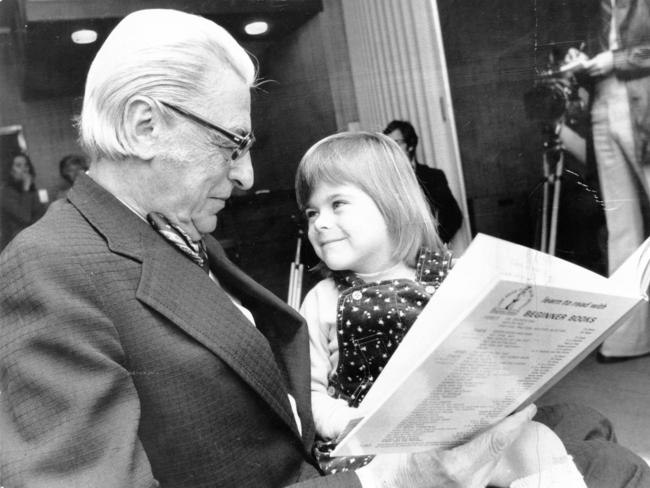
331, 415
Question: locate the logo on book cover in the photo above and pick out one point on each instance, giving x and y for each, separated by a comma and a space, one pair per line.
514, 301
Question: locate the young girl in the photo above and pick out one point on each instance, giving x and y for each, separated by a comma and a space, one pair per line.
370, 225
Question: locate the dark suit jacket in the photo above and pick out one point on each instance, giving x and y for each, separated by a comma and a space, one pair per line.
123, 365
442, 202
18, 209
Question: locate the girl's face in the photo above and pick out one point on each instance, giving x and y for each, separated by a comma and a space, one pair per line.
347, 229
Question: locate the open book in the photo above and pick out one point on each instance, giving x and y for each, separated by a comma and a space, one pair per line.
505, 325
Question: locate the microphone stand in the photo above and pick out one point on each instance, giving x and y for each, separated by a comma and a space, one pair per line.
296, 272
553, 167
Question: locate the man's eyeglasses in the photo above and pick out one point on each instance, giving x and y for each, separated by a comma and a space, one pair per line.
243, 143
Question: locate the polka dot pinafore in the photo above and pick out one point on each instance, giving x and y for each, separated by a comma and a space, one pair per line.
372, 319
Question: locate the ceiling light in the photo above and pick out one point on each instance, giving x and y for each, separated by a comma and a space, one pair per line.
256, 28
84, 36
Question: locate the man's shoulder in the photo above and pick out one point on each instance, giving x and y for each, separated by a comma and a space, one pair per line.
60, 234
428, 171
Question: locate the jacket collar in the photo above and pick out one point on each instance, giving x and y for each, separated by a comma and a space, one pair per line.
266, 357
123, 230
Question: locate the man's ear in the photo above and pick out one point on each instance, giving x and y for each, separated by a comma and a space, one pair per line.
142, 125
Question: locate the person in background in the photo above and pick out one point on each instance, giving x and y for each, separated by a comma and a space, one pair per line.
133, 352
432, 181
619, 68
383, 261
70, 167
21, 203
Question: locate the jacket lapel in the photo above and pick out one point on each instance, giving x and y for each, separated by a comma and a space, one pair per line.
280, 324
182, 292
178, 289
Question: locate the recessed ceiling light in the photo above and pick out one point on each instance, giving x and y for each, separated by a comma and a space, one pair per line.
256, 28
84, 36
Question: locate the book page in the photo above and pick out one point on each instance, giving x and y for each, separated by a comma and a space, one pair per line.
496, 345
486, 261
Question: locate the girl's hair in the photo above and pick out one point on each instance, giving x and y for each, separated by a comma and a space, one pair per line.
375, 164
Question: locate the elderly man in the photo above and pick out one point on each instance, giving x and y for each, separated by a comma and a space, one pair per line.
132, 352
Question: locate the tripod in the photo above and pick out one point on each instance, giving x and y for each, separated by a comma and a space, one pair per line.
296, 268
553, 167
296, 271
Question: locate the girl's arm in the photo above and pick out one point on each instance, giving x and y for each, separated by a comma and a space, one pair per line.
331, 415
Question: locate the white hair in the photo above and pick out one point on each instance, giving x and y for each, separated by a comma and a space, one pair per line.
163, 54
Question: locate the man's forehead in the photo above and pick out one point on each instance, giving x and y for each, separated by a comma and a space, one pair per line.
228, 102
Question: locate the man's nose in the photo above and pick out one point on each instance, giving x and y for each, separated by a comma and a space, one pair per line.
241, 172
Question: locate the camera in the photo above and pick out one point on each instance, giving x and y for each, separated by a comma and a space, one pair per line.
555, 95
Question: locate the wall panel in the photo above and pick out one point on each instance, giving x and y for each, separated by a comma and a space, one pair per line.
399, 72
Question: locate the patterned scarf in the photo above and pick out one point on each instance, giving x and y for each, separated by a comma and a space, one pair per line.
180, 239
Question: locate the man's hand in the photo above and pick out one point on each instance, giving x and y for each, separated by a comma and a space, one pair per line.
574, 61
600, 65
537, 448
471, 465
27, 180
24, 176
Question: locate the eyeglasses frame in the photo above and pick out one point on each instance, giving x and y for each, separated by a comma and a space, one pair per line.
244, 142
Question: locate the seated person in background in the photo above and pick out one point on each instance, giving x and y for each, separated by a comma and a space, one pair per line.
21, 204
379, 248
432, 181
69, 168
